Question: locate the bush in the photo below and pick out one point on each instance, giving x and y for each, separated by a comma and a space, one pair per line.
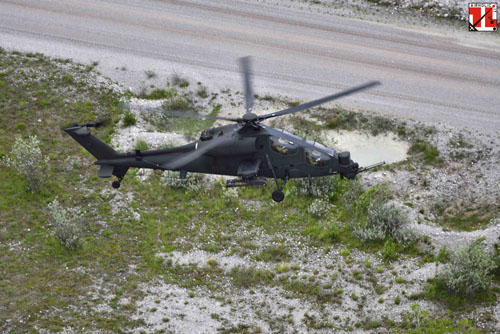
66, 223
129, 119
158, 94
202, 92
319, 208
429, 151
141, 145
177, 103
179, 81
230, 195
319, 187
28, 160
385, 219
417, 321
387, 216
150, 74
390, 251
193, 181
469, 270
368, 233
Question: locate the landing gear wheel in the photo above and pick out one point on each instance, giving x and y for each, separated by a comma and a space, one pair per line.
278, 196
116, 184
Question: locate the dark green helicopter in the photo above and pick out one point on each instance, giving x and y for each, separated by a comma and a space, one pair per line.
247, 149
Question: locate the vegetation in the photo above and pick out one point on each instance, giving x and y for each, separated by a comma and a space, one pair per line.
469, 270
417, 321
177, 80
67, 224
141, 145
427, 151
129, 119
28, 160
150, 74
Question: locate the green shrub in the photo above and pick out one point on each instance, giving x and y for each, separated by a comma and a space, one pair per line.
129, 119
385, 220
150, 74
67, 224
274, 253
428, 151
318, 187
179, 81
44, 102
20, 126
28, 160
443, 255
319, 208
417, 321
158, 94
230, 195
202, 92
387, 216
390, 251
193, 182
469, 270
141, 145
177, 103
248, 277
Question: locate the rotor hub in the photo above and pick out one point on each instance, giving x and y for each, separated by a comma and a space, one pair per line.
250, 117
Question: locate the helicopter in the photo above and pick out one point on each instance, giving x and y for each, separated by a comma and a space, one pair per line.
247, 149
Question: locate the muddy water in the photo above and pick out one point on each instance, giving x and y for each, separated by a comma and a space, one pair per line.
367, 149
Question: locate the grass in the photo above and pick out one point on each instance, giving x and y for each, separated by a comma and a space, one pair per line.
437, 291
158, 94
141, 145
466, 216
129, 119
177, 80
276, 253
150, 74
426, 151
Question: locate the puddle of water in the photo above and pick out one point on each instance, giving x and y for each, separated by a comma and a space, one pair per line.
367, 149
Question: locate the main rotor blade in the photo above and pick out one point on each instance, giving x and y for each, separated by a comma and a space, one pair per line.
294, 139
199, 151
247, 83
320, 101
193, 115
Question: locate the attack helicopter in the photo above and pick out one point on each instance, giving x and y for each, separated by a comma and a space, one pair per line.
247, 149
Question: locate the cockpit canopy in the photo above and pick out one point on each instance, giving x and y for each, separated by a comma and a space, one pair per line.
282, 146
316, 158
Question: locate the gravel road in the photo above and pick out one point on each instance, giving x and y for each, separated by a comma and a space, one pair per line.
427, 74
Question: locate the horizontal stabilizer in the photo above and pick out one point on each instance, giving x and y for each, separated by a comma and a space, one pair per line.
106, 171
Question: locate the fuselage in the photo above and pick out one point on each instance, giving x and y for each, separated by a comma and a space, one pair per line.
287, 158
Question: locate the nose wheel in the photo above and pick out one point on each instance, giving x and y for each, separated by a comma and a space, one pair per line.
277, 195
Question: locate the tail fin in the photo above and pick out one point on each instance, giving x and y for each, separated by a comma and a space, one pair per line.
91, 143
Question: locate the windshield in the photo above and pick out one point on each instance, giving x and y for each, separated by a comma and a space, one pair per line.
282, 146
320, 146
315, 158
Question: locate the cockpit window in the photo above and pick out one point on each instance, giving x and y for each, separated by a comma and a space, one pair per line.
206, 135
315, 158
328, 150
282, 146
